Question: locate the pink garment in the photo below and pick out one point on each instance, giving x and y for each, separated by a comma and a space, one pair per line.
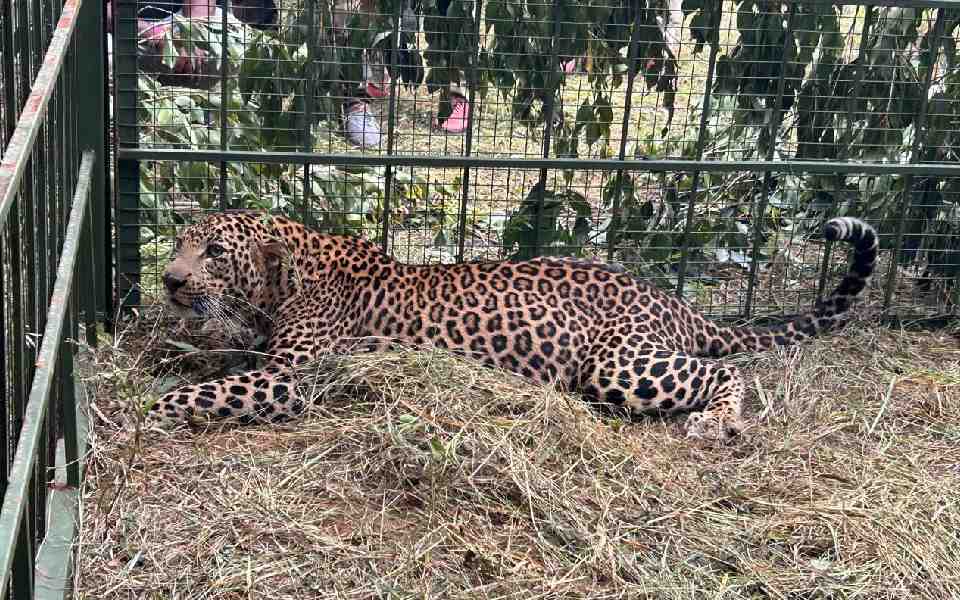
459, 115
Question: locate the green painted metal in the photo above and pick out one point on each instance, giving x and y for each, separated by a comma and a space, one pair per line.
705, 110
22, 140
549, 100
599, 164
224, 182
54, 352
947, 4
52, 252
918, 139
54, 556
388, 175
91, 132
468, 134
308, 108
760, 208
615, 212
126, 223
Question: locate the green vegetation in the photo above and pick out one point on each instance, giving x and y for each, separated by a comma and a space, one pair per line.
802, 85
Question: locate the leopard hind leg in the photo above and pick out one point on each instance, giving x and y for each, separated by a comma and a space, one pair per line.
664, 382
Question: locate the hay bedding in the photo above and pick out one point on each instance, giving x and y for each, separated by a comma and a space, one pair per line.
422, 476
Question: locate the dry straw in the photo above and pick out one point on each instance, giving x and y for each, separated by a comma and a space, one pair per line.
422, 476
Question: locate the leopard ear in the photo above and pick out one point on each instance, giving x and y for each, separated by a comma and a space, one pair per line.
273, 250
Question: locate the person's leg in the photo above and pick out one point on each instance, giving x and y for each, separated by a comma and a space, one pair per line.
375, 76
360, 124
363, 81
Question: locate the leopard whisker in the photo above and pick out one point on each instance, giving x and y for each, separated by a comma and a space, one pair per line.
243, 304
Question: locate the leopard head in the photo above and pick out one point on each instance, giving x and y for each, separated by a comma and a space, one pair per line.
224, 266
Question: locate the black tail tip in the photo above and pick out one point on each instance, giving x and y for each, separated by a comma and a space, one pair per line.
847, 229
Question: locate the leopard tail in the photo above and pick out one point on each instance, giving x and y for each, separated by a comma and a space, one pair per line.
825, 315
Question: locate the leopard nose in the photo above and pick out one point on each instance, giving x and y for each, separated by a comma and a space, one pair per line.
172, 282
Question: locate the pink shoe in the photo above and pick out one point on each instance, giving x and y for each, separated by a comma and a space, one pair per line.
459, 115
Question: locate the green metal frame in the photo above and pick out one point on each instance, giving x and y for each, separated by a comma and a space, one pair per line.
54, 282
53, 380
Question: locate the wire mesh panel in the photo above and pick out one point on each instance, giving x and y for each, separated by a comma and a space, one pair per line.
701, 144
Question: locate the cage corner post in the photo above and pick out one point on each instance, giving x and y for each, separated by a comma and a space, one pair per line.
916, 148
127, 213
92, 134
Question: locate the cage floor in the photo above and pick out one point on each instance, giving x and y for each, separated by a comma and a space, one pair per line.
425, 476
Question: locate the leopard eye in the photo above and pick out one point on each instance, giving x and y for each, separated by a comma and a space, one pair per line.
215, 250
176, 245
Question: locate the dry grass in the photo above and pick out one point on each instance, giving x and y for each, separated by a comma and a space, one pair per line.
424, 476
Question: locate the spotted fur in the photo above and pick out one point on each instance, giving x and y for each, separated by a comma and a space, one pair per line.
582, 326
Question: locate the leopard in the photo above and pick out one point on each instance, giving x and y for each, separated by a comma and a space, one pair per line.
584, 327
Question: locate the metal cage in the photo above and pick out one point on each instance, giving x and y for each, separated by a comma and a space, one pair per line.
702, 145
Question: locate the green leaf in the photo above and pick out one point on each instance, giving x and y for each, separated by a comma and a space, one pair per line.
437, 448
585, 116
183, 346
594, 132
170, 54
604, 110
165, 384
